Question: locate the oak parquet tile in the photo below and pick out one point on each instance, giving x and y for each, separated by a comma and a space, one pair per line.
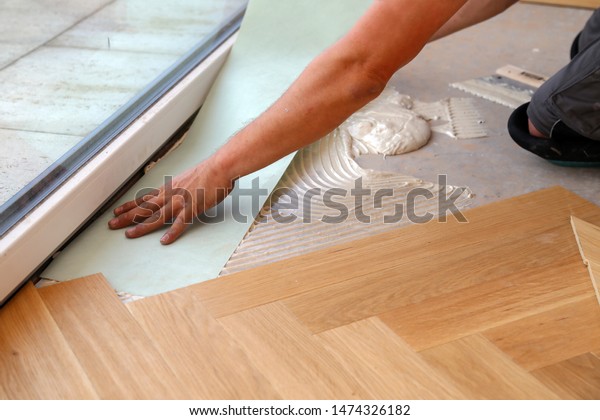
296, 364
576, 378
490, 304
35, 360
197, 348
118, 357
552, 336
482, 371
385, 364
511, 240
588, 239
533, 225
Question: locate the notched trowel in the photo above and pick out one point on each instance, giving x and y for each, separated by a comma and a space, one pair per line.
511, 86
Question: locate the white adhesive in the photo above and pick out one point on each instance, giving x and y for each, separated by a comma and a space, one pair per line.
394, 124
388, 126
327, 164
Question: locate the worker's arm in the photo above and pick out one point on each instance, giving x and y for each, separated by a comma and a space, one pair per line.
473, 12
337, 83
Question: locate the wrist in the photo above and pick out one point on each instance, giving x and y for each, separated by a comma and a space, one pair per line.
221, 168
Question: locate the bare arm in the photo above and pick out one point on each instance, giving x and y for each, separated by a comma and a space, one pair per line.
473, 12
337, 83
340, 81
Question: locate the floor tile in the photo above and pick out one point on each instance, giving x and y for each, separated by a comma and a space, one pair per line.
71, 91
154, 26
28, 24
25, 155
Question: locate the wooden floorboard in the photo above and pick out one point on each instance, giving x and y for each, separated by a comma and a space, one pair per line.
552, 336
35, 360
510, 239
296, 364
588, 239
198, 349
477, 308
501, 307
523, 216
264, 285
575, 378
594, 270
482, 371
386, 366
118, 357
435, 285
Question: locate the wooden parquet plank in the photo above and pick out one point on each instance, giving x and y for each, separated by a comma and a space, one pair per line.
551, 337
477, 308
594, 270
588, 239
488, 301
531, 225
512, 239
482, 371
35, 360
384, 364
576, 378
204, 357
294, 362
116, 354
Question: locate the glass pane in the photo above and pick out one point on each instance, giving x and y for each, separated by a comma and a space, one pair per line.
67, 66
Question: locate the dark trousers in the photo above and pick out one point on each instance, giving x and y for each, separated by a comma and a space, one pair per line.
573, 94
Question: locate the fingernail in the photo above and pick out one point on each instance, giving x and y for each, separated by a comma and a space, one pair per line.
129, 232
165, 238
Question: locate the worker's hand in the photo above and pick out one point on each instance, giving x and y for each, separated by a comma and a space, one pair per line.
180, 200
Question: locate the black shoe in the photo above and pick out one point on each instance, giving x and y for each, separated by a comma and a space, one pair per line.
565, 148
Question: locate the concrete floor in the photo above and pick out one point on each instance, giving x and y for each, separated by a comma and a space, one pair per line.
67, 65
533, 37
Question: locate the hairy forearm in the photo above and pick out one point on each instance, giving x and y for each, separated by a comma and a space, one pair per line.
320, 100
473, 12
337, 83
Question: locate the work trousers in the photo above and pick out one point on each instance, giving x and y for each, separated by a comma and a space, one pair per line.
573, 94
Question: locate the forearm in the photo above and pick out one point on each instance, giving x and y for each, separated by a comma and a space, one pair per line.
337, 83
473, 12
321, 99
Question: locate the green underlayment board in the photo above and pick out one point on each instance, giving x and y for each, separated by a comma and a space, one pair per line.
276, 42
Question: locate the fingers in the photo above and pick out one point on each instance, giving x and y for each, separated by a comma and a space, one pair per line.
157, 220
137, 213
181, 200
124, 208
179, 226
190, 210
